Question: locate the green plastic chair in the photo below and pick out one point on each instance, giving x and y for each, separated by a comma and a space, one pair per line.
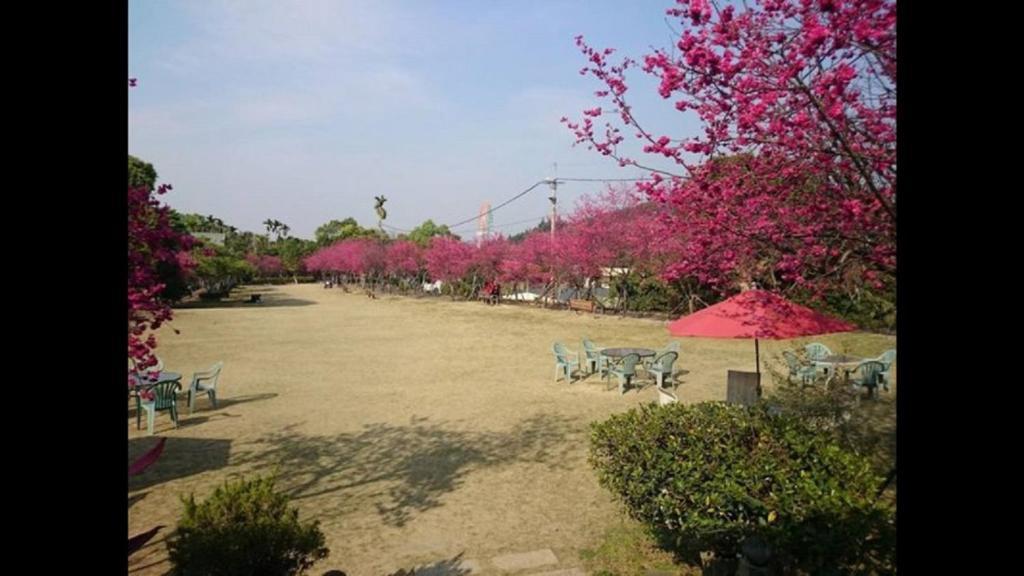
868, 375
806, 373
887, 358
817, 351
564, 361
165, 398
205, 381
625, 370
596, 362
672, 346
661, 367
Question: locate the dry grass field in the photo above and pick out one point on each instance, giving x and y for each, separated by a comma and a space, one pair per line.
414, 429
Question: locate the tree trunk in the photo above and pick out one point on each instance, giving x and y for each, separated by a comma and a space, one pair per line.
547, 289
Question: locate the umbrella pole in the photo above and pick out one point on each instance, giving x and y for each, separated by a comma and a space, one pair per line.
757, 360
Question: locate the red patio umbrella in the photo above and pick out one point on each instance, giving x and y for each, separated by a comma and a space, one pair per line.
757, 314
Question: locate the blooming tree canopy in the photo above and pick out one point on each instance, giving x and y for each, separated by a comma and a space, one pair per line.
793, 178
152, 242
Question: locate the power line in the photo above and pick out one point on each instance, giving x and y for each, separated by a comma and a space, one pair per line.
603, 179
505, 203
390, 227
507, 224
524, 193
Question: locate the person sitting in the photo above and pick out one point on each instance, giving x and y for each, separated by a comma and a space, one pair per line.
488, 291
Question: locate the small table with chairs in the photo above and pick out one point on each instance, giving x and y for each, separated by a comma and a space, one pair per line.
159, 392
624, 365
623, 352
154, 394
830, 364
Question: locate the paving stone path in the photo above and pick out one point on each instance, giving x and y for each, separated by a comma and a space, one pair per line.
541, 562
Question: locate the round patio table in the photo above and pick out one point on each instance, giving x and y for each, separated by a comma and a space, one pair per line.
144, 380
623, 352
830, 365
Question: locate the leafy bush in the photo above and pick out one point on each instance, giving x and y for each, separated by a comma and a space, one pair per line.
645, 294
838, 410
244, 528
870, 309
710, 475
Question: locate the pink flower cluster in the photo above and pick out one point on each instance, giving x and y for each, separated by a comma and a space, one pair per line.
151, 242
266, 265
793, 177
615, 229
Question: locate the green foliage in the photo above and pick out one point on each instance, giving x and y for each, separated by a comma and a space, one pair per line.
629, 549
241, 243
194, 223
244, 529
544, 225
292, 250
141, 173
338, 230
868, 308
218, 270
707, 476
839, 412
865, 308
423, 233
645, 294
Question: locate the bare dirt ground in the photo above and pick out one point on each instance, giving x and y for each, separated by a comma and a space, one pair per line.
414, 430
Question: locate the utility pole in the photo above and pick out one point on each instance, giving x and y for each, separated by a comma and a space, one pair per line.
553, 182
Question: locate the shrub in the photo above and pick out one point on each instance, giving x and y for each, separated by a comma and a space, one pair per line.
645, 294
708, 476
244, 528
837, 410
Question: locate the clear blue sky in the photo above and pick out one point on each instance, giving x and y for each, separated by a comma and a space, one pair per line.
305, 110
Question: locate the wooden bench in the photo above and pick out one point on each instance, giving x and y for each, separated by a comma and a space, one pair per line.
583, 305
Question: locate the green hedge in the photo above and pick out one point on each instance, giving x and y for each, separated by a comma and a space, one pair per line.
707, 476
244, 529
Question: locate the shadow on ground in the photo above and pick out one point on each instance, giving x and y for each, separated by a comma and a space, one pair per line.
181, 457
402, 470
268, 301
133, 500
229, 402
203, 404
449, 567
152, 553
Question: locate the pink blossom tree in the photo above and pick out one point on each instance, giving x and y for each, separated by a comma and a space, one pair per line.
265, 264
615, 229
448, 260
152, 243
792, 182
485, 261
341, 258
522, 264
404, 261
